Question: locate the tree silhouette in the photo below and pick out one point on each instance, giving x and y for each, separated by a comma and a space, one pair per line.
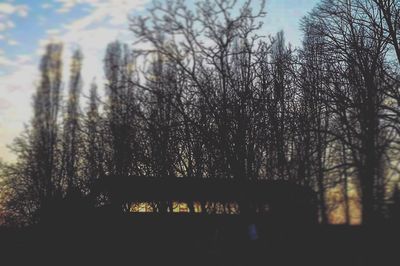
93, 139
33, 179
357, 95
71, 127
201, 94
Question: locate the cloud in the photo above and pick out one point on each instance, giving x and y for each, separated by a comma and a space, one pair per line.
7, 11
24, 58
5, 25
53, 31
46, 6
67, 5
4, 104
4, 61
103, 22
15, 103
92, 42
12, 42
21, 79
114, 12
41, 20
16, 62
10, 9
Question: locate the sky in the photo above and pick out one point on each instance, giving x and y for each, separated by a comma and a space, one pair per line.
27, 25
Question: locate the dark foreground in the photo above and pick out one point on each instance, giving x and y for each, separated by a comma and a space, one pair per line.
190, 240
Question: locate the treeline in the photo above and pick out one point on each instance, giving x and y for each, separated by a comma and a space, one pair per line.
202, 95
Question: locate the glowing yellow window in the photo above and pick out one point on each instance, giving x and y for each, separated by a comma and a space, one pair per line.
141, 207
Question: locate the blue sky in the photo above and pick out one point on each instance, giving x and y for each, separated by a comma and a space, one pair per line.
27, 25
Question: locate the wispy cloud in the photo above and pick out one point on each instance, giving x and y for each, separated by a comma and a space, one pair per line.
46, 6
4, 104
17, 61
51, 32
7, 13
100, 23
103, 22
114, 12
10, 9
15, 102
12, 42
4, 61
6, 24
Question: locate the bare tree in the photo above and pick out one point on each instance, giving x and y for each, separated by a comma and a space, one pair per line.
33, 180
71, 129
94, 144
357, 93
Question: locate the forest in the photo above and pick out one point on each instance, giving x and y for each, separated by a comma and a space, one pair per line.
201, 93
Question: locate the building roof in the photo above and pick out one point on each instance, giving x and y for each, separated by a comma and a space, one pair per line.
139, 188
